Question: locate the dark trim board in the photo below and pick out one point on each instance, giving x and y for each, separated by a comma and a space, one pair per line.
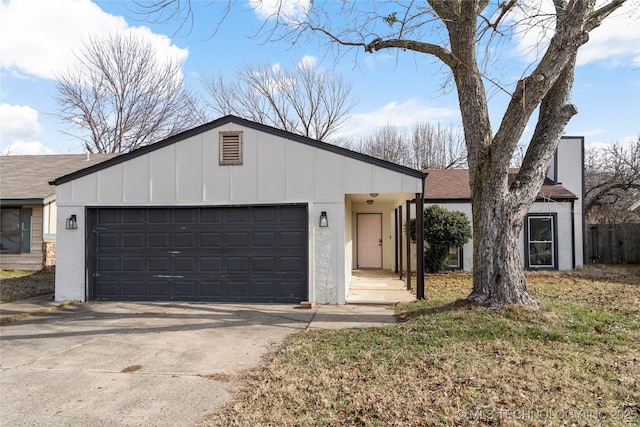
198, 253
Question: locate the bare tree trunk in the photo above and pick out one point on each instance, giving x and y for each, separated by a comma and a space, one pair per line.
498, 278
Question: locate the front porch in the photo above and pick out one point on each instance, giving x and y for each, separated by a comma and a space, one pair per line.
377, 287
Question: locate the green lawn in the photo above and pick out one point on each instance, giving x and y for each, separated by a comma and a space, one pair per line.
575, 362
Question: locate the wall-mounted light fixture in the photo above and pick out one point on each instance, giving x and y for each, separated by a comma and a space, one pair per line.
72, 223
373, 194
324, 222
369, 202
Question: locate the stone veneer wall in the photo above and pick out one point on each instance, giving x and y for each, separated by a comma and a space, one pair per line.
49, 255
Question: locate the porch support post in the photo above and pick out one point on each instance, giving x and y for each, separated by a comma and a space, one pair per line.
408, 234
419, 246
395, 242
400, 241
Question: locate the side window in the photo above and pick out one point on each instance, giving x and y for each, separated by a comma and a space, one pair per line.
15, 230
455, 259
230, 148
541, 241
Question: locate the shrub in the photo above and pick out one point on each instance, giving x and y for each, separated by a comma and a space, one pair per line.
442, 229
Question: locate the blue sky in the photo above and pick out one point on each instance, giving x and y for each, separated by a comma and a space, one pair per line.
37, 38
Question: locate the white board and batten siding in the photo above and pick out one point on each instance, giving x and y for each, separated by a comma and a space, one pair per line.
275, 170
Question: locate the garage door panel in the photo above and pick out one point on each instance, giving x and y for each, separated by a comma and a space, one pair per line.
109, 241
237, 215
159, 216
133, 264
184, 240
109, 264
158, 241
211, 288
236, 288
210, 263
264, 239
264, 264
264, 214
291, 239
158, 288
133, 240
292, 263
134, 216
111, 216
210, 240
210, 216
211, 254
182, 288
132, 288
237, 239
107, 287
185, 216
159, 264
184, 264
237, 263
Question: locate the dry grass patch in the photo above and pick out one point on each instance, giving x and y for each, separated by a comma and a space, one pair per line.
575, 362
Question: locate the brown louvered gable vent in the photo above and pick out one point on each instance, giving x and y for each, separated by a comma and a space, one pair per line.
230, 148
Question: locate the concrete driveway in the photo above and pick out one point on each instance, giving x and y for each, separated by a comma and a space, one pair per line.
115, 364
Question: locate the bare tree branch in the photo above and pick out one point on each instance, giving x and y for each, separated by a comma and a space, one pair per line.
122, 97
304, 100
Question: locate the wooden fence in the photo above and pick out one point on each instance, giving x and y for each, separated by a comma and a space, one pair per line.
613, 243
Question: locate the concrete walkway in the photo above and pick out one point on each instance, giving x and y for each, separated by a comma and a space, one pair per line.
377, 287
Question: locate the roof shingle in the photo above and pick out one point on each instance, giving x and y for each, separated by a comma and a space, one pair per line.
27, 177
453, 184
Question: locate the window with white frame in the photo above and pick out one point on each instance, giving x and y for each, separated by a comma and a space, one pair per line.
541, 245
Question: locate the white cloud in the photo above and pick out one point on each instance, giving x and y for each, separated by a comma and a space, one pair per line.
291, 11
21, 148
18, 122
19, 128
403, 114
38, 36
308, 62
616, 40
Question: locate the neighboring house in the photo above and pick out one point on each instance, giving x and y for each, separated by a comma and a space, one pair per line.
229, 211
553, 232
28, 207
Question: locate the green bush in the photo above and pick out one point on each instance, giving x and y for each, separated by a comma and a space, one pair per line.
442, 229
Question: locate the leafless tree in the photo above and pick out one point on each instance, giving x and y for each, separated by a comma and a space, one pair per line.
438, 147
612, 181
460, 35
387, 143
304, 100
123, 97
425, 146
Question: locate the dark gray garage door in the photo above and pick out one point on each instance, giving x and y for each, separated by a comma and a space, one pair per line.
245, 254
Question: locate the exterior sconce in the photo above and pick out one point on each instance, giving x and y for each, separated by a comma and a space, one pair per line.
373, 194
324, 222
72, 223
369, 202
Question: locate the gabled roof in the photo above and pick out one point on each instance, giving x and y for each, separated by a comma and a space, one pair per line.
248, 124
26, 178
453, 185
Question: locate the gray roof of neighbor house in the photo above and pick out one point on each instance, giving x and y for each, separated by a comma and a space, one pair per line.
26, 178
453, 185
